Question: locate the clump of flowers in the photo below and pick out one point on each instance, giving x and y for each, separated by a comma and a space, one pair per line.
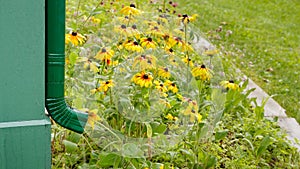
75, 38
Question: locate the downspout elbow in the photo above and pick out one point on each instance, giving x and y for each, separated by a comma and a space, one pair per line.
56, 106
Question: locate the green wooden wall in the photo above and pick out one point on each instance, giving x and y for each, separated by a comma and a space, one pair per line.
24, 128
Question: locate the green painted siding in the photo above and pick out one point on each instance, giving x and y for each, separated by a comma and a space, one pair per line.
24, 129
22, 53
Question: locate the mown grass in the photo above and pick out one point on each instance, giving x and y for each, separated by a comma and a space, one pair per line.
264, 42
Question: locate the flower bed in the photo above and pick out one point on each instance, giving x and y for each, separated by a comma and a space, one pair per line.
155, 98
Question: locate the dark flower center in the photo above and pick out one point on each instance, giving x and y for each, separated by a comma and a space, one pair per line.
178, 38
185, 16
74, 33
143, 56
166, 69
107, 82
135, 43
103, 50
134, 26
231, 81
132, 5
149, 39
123, 26
161, 85
203, 66
171, 50
145, 76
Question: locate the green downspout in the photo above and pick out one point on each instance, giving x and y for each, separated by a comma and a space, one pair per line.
56, 105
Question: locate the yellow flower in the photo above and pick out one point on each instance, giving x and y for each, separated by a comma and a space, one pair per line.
170, 40
130, 10
122, 29
133, 46
186, 19
211, 52
104, 55
169, 116
198, 117
202, 73
155, 31
95, 20
75, 38
230, 85
148, 43
192, 111
145, 61
105, 85
92, 117
188, 61
160, 86
161, 166
169, 50
171, 86
143, 79
166, 103
186, 47
133, 31
164, 73
93, 66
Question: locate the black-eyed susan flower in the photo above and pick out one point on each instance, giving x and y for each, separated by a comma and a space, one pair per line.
187, 19
105, 85
171, 86
164, 72
130, 10
166, 103
95, 20
148, 43
155, 31
75, 38
143, 79
186, 47
144, 62
122, 29
133, 46
93, 117
230, 85
88, 63
188, 61
134, 32
104, 55
169, 40
161, 88
202, 73
169, 50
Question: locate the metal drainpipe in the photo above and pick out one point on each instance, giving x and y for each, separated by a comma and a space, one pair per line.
56, 105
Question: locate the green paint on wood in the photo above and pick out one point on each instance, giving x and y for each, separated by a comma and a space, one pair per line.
24, 128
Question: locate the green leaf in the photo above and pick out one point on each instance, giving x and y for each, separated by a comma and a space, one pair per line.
74, 137
220, 135
132, 150
70, 146
73, 57
158, 128
263, 145
211, 161
108, 159
149, 130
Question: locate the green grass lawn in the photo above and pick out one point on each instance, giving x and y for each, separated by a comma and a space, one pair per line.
264, 44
